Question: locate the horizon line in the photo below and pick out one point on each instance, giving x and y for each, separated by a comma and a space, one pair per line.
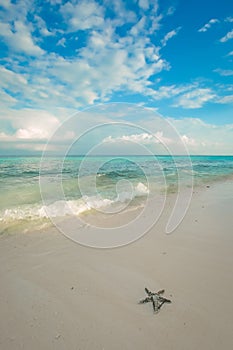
116, 155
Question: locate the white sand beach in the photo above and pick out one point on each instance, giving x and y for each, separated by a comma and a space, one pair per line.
56, 294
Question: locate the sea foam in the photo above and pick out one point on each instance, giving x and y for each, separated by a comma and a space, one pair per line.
63, 208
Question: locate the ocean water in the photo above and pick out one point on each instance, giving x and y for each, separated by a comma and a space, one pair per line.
33, 189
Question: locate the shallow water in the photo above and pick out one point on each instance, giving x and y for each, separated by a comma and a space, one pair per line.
33, 189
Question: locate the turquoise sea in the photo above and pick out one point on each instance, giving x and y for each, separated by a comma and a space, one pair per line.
34, 189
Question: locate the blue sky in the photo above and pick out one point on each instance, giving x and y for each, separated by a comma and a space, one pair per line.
171, 56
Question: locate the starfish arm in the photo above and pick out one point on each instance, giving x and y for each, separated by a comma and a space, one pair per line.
155, 304
161, 304
161, 291
143, 301
164, 300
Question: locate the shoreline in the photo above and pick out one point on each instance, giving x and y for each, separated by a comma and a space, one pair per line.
58, 294
13, 225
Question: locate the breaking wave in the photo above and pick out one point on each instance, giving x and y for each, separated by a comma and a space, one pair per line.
72, 207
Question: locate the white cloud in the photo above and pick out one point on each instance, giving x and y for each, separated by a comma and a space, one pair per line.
107, 63
139, 27
230, 53
123, 15
61, 42
31, 124
5, 3
198, 136
137, 138
10, 79
170, 35
143, 138
3, 136
6, 99
195, 98
31, 133
83, 15
229, 19
41, 25
224, 72
144, 4
54, 2
189, 141
171, 10
208, 25
170, 91
19, 38
17, 31
226, 99
190, 96
227, 37
204, 138
32, 128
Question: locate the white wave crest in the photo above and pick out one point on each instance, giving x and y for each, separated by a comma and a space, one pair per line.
141, 190
63, 208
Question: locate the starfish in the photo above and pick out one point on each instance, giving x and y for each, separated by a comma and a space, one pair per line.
155, 298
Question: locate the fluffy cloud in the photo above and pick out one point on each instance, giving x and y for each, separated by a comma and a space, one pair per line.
11, 80
204, 138
171, 91
195, 98
6, 99
226, 99
208, 25
83, 15
189, 141
30, 129
227, 37
15, 29
83, 54
30, 124
224, 72
19, 38
199, 137
170, 35
107, 62
188, 96
229, 19
144, 4
143, 138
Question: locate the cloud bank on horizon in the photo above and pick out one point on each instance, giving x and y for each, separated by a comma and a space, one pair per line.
58, 57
